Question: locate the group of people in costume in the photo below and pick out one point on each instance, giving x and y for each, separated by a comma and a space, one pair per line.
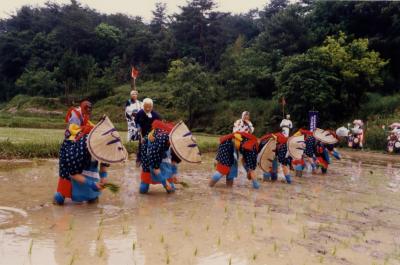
88, 150
272, 151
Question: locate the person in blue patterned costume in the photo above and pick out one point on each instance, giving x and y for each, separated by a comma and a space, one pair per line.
231, 146
159, 164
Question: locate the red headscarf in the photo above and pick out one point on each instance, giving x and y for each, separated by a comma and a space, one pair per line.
165, 126
248, 145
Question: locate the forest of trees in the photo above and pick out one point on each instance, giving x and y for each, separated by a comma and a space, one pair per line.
324, 55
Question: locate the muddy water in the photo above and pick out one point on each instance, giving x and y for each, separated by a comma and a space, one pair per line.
349, 216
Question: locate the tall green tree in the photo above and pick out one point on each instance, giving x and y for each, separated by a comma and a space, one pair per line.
193, 88
332, 78
199, 33
246, 72
286, 29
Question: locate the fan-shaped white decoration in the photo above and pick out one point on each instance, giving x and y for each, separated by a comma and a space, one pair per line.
104, 143
296, 146
267, 155
325, 136
184, 143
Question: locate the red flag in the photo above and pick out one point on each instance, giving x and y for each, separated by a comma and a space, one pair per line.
134, 73
283, 101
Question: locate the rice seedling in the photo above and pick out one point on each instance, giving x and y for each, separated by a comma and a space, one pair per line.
334, 251
133, 246
100, 251
187, 233
114, 188
304, 232
73, 259
254, 256
150, 226
346, 243
101, 221
162, 239
184, 184
68, 240
226, 209
125, 229
386, 261
30, 248
195, 252
207, 227
230, 261
99, 233
168, 259
255, 214
321, 259
71, 224
275, 247
219, 241
253, 229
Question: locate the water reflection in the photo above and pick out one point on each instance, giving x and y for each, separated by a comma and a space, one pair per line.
351, 216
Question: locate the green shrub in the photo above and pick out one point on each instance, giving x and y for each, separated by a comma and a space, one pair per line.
380, 105
375, 138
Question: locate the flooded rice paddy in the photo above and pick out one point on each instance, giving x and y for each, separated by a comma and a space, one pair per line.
349, 216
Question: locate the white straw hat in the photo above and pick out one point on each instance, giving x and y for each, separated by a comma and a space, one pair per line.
394, 125
358, 122
104, 143
296, 146
267, 155
342, 132
327, 137
184, 144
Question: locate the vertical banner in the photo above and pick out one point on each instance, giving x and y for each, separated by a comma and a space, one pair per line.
313, 119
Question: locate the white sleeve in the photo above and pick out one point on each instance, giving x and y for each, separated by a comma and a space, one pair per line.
236, 126
251, 127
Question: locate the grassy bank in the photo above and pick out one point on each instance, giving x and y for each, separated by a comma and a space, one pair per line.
18, 143
28, 120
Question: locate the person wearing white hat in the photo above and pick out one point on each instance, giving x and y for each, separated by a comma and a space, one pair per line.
356, 138
132, 107
244, 124
393, 139
286, 125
